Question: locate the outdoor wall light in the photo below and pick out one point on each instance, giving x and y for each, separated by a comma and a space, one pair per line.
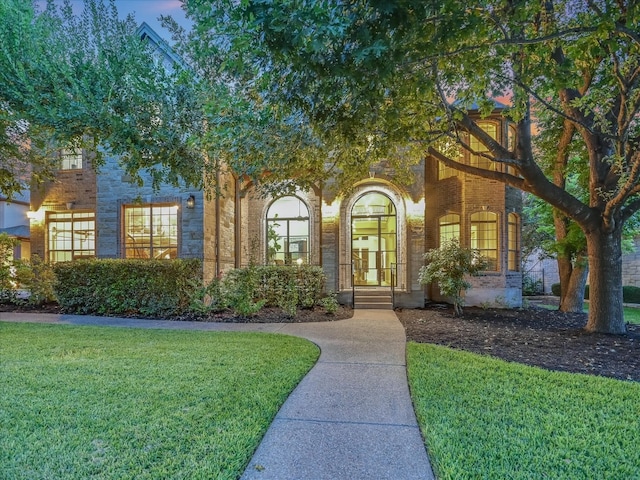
191, 201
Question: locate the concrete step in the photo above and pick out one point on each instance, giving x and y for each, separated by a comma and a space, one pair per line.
373, 299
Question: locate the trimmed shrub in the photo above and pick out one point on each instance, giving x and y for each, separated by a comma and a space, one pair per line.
555, 290
7, 271
36, 277
127, 286
631, 294
247, 290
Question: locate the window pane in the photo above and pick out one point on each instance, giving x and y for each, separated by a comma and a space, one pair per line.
151, 231
449, 228
475, 144
513, 243
71, 159
287, 231
484, 236
71, 236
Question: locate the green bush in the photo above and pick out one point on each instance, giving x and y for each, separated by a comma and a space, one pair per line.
449, 266
127, 287
631, 294
247, 290
7, 270
239, 291
555, 290
36, 277
329, 303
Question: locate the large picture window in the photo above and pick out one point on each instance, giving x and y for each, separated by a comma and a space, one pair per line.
71, 236
288, 232
484, 237
449, 226
513, 233
151, 231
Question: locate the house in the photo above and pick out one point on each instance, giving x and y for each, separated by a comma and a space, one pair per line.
14, 222
372, 239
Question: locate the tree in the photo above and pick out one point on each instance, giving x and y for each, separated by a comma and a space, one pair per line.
89, 81
391, 80
449, 266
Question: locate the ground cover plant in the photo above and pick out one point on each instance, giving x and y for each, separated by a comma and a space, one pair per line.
91, 402
486, 418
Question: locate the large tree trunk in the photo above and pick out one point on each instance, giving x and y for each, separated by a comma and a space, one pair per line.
605, 285
573, 278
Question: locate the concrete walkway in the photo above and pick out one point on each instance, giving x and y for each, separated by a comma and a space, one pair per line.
351, 417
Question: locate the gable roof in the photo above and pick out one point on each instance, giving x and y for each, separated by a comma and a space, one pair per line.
20, 231
145, 32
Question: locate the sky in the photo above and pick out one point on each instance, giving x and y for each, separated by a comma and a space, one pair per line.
146, 11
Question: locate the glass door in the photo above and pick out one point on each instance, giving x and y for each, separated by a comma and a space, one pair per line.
373, 240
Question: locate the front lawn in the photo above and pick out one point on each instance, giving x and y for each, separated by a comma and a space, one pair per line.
95, 402
487, 418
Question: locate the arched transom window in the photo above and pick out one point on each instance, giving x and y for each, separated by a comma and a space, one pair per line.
288, 232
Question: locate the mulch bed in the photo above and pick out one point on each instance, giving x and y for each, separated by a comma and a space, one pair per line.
535, 336
266, 315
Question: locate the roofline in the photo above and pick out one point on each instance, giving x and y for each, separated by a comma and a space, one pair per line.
145, 31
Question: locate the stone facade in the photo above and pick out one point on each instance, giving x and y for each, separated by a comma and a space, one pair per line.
227, 226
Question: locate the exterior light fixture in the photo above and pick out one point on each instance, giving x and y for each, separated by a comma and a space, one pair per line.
299, 261
191, 201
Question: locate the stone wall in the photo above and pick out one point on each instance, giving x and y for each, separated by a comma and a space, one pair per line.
116, 189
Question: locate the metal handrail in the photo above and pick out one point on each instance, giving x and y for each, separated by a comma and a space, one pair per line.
394, 279
394, 274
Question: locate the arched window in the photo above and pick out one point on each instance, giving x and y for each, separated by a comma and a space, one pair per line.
287, 232
449, 226
478, 160
513, 238
484, 236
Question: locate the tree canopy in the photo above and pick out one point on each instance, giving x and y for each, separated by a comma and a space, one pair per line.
89, 80
397, 80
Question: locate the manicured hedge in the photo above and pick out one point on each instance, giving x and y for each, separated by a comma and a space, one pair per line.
630, 294
127, 286
287, 287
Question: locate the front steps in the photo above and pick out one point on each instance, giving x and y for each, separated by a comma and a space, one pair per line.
376, 299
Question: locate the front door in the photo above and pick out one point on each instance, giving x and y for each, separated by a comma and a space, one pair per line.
373, 240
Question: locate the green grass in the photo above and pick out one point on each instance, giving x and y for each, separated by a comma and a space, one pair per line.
95, 402
491, 419
631, 314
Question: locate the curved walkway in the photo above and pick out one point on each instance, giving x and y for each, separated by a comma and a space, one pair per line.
351, 417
